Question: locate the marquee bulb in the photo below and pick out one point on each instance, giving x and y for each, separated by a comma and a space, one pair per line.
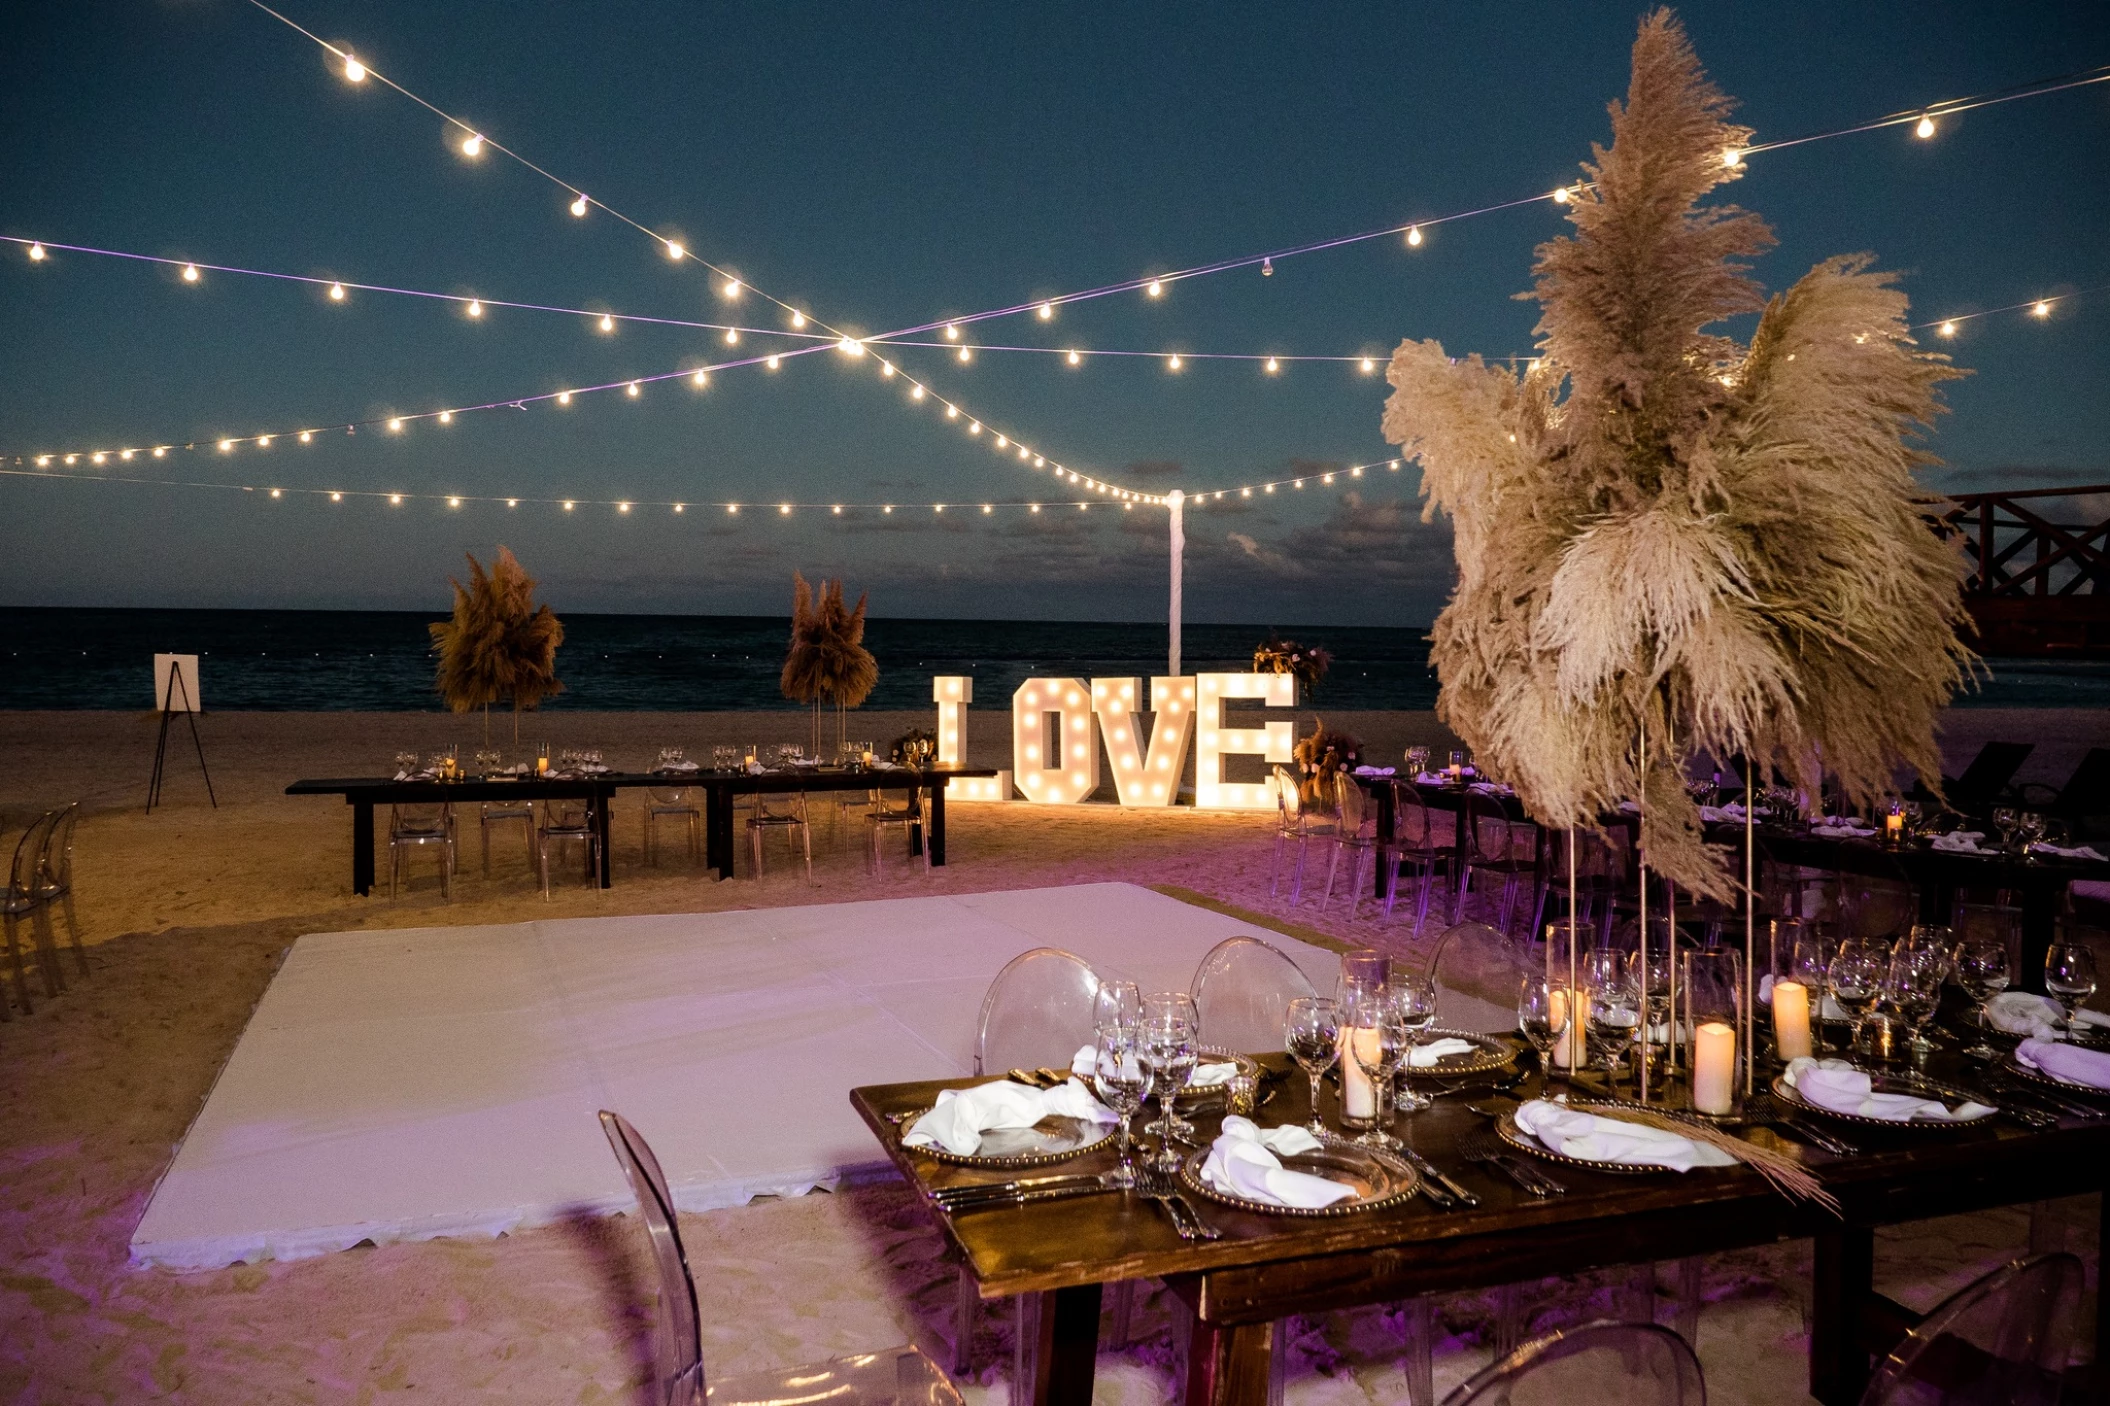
1414, 236
336, 292
354, 71
578, 207
473, 145
1924, 128
190, 273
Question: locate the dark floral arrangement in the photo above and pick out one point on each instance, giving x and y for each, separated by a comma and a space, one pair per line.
914, 747
1281, 656
1323, 755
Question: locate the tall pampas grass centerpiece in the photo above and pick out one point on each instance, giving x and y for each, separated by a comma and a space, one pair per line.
1663, 533
499, 646
827, 661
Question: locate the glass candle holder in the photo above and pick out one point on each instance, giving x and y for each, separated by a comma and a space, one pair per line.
1713, 1000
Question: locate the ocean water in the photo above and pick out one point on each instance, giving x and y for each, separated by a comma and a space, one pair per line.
305, 660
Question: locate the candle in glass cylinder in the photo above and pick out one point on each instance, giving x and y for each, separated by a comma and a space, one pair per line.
1894, 825
1358, 1090
1791, 1019
1713, 1068
1568, 1045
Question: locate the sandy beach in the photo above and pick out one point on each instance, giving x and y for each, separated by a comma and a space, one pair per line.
186, 912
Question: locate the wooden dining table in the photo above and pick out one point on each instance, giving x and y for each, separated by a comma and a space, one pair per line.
1267, 1267
598, 790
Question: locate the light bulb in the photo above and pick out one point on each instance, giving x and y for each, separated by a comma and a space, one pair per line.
916, 393
226, 447
97, 457
395, 500
674, 250
1561, 196
476, 309
354, 71
336, 497
125, 455
1156, 288
306, 436
622, 507
607, 323
784, 509
1039, 463
446, 418
850, 346
336, 292
732, 288
567, 505
1173, 363
473, 145
1047, 311
190, 273
578, 207
732, 509
1245, 492
677, 507
798, 319
732, 336
700, 379
1414, 236
1924, 128
161, 451
563, 397
631, 390
1074, 358
274, 493
952, 412
986, 508
2041, 309
886, 368
974, 427
1732, 157
1267, 268
73, 458
1272, 367
1368, 366
36, 253
966, 353
454, 502
952, 333
512, 502
263, 441
1024, 453
1002, 441
772, 362
1948, 329
1033, 507
888, 508
937, 507
837, 509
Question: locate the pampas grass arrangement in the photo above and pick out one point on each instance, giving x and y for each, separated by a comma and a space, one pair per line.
499, 646
827, 660
1321, 757
1664, 534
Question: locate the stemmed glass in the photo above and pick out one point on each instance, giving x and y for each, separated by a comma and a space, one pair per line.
1811, 964
1417, 762
1378, 1038
1169, 1033
1542, 1017
1981, 966
2004, 818
1610, 1014
1117, 1006
1855, 980
407, 763
1413, 999
2031, 825
1122, 1077
2069, 975
1311, 1032
1917, 972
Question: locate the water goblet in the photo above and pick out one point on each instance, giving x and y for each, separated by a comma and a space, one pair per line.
1117, 1006
1610, 1012
1542, 1018
1810, 963
1377, 1040
1311, 1032
1122, 1079
1417, 761
1855, 980
1982, 969
2004, 819
2069, 975
406, 763
1170, 1044
1413, 999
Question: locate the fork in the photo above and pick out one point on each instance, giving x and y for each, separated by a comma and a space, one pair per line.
1156, 1184
1480, 1147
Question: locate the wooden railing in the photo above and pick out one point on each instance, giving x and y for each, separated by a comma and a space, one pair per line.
2037, 587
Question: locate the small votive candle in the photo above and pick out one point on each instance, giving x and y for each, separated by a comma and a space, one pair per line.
1242, 1095
1791, 1019
1714, 1068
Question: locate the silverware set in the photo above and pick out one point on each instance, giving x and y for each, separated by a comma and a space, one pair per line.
1765, 1108
1484, 1149
1439, 1188
1157, 1184
1022, 1191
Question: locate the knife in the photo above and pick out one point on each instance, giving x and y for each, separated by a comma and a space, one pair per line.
1456, 1194
1053, 1193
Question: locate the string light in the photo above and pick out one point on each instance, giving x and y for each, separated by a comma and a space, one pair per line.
336, 292
732, 336
607, 323
1732, 157
396, 425
701, 378
1368, 366
1414, 236
772, 362
1561, 196
1948, 328
1047, 312
578, 206
1173, 363
336, 497
732, 288
1075, 360
966, 354
395, 500
1924, 128
1267, 268
454, 502
632, 390
674, 251
226, 447
1272, 367
473, 146
190, 273
36, 253
354, 71
952, 333
798, 319
563, 397
2041, 309
567, 505
622, 507
1156, 289
476, 309
446, 418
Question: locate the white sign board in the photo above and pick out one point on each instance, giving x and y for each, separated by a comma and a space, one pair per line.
176, 683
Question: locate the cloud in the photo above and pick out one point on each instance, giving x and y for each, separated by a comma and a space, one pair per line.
1270, 560
1154, 469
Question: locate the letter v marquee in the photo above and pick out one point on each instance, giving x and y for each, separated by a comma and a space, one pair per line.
1141, 779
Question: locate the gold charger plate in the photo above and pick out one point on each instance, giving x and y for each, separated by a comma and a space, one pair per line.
1884, 1082
1506, 1129
1051, 1140
1379, 1179
1492, 1052
2009, 1064
1213, 1054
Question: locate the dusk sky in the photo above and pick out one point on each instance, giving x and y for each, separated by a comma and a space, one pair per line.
882, 166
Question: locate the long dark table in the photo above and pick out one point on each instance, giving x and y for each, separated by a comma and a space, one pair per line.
1268, 1267
362, 794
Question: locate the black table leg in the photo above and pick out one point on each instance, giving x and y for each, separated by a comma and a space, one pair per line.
2040, 920
1843, 1280
362, 847
936, 839
603, 802
1068, 1347
718, 831
1387, 812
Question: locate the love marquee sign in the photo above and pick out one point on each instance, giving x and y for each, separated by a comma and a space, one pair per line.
1055, 757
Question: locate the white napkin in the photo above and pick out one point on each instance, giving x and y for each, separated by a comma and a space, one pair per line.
963, 1115
1431, 778
756, 768
680, 766
2066, 851
1493, 788
1085, 1063
1960, 842
1209, 1076
1837, 1085
1589, 1138
2026, 1013
1839, 830
2069, 1063
1424, 1056
1375, 771
1246, 1161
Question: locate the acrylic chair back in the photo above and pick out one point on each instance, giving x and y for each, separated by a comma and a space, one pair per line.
2003, 1338
1488, 833
1415, 828
1478, 973
55, 867
1038, 1012
677, 1337
1352, 804
1634, 1364
1242, 991
22, 876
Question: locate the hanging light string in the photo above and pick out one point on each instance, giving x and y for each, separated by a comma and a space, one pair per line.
1925, 120
677, 506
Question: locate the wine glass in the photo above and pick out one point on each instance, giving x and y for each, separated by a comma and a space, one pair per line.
2030, 825
1311, 1032
2004, 818
1918, 972
406, 763
1122, 1077
1117, 1006
1378, 1037
1855, 980
1417, 761
1982, 968
1811, 964
1414, 1003
2069, 975
1611, 998
1542, 1017
1169, 1046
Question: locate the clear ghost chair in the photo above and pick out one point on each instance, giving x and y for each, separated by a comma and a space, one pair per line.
1478, 970
492, 813
22, 901
900, 1376
1423, 838
567, 822
911, 815
1296, 823
1242, 989
1878, 907
786, 812
55, 875
1633, 1364
415, 827
2002, 1340
675, 804
1354, 831
1493, 845
1037, 1012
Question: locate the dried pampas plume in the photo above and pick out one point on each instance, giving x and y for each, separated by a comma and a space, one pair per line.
499, 646
1662, 532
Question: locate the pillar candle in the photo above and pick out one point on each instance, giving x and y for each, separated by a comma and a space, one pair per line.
1358, 1092
1791, 1019
1714, 1067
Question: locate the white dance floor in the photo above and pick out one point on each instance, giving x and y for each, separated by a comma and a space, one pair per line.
417, 1082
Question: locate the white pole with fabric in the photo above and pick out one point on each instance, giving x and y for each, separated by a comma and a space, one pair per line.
1176, 501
